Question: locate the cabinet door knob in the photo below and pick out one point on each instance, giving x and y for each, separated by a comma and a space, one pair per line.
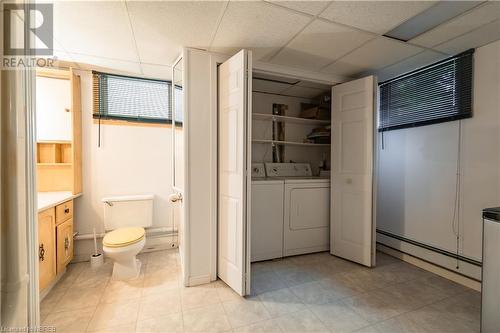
66, 243
41, 252
66, 211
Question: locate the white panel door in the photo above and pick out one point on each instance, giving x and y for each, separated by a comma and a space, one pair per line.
352, 229
233, 264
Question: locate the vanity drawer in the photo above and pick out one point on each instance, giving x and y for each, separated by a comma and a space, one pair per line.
64, 211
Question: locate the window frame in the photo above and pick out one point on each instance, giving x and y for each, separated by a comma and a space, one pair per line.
97, 114
457, 116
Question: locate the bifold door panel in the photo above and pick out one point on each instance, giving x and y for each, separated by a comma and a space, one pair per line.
352, 230
233, 254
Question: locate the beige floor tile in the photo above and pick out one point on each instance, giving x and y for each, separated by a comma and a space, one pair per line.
301, 321
266, 326
114, 314
171, 323
48, 304
262, 267
385, 259
369, 329
167, 271
337, 317
211, 318
341, 286
79, 298
163, 258
159, 305
127, 328
465, 307
280, 302
445, 286
198, 296
400, 324
156, 285
400, 272
225, 292
372, 308
117, 291
265, 282
245, 311
90, 278
304, 275
71, 275
70, 321
315, 293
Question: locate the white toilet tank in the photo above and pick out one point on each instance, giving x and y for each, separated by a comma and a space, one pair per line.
128, 211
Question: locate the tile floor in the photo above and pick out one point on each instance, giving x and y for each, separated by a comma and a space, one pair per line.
310, 293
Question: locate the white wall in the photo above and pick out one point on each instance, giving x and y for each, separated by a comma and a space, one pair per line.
417, 170
131, 160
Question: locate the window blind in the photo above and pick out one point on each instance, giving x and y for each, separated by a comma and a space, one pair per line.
131, 98
436, 93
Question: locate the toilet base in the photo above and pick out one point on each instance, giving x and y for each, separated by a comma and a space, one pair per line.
126, 270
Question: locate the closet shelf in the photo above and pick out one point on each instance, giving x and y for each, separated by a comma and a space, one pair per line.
291, 143
287, 119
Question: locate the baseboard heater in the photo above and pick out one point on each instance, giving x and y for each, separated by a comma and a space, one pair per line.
445, 259
153, 232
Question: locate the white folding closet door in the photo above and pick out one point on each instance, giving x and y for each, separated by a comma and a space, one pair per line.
233, 264
352, 229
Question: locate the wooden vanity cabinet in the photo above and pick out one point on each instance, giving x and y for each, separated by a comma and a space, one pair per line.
47, 247
55, 237
64, 240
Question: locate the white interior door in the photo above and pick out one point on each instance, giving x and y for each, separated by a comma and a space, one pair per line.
352, 229
233, 258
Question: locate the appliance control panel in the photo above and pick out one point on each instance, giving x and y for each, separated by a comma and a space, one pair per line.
288, 170
258, 170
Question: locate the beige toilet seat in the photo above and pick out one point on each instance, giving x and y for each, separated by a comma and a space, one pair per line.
122, 237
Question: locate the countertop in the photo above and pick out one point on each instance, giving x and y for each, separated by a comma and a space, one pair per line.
48, 200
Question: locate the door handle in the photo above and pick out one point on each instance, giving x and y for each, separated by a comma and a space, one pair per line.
41, 252
174, 197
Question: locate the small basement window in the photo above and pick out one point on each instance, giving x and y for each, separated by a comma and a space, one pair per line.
132, 98
433, 94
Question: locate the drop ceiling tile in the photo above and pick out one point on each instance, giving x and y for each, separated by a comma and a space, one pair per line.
162, 28
460, 25
157, 71
380, 52
308, 7
374, 16
94, 28
407, 65
302, 92
258, 26
98, 63
484, 35
269, 86
344, 69
319, 44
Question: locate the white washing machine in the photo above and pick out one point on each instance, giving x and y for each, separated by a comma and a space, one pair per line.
306, 207
267, 215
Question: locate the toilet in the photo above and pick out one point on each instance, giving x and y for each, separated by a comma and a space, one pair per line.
125, 218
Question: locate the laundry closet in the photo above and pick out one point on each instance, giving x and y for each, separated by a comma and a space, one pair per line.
280, 163
290, 187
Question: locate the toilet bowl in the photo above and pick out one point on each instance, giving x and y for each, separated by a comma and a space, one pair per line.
122, 246
125, 218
